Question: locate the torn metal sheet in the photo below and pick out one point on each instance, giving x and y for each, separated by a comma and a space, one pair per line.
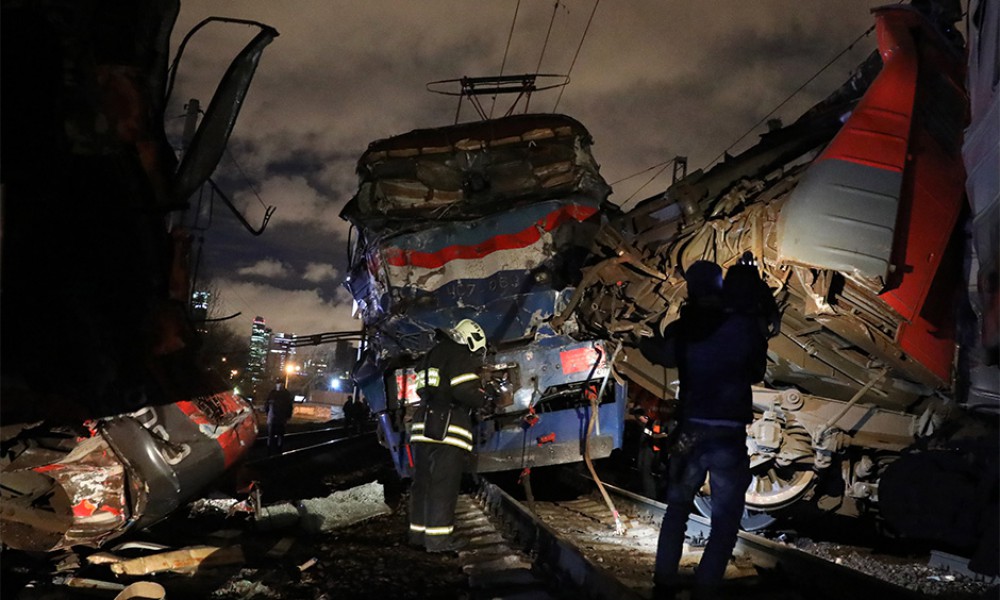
131, 472
469, 170
842, 217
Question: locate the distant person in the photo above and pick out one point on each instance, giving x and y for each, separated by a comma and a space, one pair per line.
720, 351
648, 460
349, 412
279, 406
364, 414
448, 384
354, 415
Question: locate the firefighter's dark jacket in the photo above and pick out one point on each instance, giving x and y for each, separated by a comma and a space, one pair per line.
719, 354
448, 379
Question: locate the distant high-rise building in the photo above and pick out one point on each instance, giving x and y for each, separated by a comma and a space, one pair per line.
344, 355
281, 352
199, 309
260, 343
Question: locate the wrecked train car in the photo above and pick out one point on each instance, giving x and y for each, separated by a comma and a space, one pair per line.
110, 421
90, 485
492, 221
857, 215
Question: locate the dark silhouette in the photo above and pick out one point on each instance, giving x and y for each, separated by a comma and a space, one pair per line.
720, 350
279, 409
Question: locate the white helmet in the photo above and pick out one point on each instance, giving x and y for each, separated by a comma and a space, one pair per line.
469, 332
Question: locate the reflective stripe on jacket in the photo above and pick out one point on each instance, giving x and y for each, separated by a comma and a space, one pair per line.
449, 375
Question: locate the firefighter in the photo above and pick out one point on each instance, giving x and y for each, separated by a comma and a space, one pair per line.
652, 415
719, 353
448, 383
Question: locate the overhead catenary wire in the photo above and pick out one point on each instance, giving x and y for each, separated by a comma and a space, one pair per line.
663, 166
506, 50
792, 95
572, 63
755, 126
545, 44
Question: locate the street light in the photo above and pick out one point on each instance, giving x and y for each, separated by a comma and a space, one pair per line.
289, 369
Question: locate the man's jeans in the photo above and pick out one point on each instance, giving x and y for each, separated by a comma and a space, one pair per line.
721, 452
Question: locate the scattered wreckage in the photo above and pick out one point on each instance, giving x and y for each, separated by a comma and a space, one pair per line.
881, 392
881, 395
110, 421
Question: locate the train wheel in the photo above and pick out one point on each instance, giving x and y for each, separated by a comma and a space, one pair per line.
771, 489
752, 520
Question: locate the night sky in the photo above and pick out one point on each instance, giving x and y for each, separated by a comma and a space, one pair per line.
653, 79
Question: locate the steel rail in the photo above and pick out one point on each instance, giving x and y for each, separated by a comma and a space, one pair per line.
780, 568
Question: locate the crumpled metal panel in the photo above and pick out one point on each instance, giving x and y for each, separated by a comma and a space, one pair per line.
842, 216
131, 472
474, 169
210, 140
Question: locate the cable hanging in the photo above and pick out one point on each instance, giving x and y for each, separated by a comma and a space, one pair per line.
245, 178
750, 130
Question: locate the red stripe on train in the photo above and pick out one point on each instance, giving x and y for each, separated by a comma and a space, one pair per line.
878, 131
398, 257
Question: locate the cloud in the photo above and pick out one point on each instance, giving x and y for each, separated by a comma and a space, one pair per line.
297, 202
316, 272
265, 268
295, 311
653, 80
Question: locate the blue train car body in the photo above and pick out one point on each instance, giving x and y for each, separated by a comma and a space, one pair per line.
490, 221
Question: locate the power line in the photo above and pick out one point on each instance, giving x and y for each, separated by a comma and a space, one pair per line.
506, 49
756, 125
555, 8
573, 63
647, 169
538, 67
649, 181
792, 95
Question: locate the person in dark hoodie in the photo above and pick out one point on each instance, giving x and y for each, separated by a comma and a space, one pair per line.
719, 353
448, 383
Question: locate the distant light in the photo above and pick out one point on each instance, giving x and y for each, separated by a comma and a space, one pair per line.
236, 391
335, 383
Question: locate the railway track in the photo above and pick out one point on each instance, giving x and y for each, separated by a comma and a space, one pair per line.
569, 548
548, 547
562, 544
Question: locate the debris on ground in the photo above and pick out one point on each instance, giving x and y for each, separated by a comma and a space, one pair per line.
184, 560
314, 515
